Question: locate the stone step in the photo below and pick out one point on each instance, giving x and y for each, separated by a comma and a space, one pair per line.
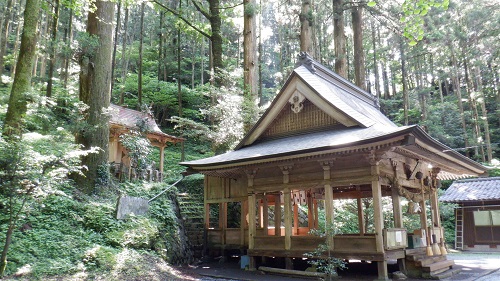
433, 268
442, 275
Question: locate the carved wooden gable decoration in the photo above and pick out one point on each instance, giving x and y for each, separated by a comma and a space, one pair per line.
300, 118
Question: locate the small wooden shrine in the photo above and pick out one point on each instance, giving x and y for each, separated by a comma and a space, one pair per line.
323, 139
477, 216
124, 120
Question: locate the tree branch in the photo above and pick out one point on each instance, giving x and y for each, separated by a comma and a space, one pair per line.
200, 9
176, 13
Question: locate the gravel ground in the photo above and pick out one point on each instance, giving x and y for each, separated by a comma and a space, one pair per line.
474, 267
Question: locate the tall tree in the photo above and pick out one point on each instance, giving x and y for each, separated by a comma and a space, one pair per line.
5, 33
21, 87
250, 63
339, 38
306, 23
95, 91
53, 48
124, 59
141, 40
359, 55
19, 95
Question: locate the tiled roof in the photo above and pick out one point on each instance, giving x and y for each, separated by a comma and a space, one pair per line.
473, 190
340, 93
299, 144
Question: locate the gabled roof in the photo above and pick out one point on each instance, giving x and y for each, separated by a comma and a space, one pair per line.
128, 118
327, 90
481, 189
358, 125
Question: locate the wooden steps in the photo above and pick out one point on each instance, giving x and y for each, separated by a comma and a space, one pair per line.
419, 265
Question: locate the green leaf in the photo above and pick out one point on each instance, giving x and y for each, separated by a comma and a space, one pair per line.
371, 4
412, 43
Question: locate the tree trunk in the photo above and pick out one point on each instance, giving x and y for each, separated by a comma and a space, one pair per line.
19, 94
161, 61
375, 64
8, 240
472, 98
5, 33
250, 83
179, 85
403, 81
68, 37
216, 38
42, 56
456, 86
484, 113
124, 60
359, 56
95, 91
18, 38
339, 38
115, 43
141, 41
53, 48
306, 25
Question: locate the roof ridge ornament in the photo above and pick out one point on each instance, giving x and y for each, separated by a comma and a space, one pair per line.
296, 101
306, 60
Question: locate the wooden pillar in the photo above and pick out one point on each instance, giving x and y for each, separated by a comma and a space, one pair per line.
361, 216
434, 187
243, 222
265, 214
295, 219
378, 215
310, 211
162, 159
251, 216
288, 218
396, 208
277, 215
315, 203
287, 204
223, 223
251, 220
328, 203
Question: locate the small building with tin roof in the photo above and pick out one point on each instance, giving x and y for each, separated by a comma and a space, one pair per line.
477, 215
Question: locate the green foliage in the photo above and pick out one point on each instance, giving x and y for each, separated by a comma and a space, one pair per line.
321, 257
137, 233
413, 17
99, 257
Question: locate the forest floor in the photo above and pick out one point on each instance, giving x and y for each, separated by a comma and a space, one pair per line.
474, 267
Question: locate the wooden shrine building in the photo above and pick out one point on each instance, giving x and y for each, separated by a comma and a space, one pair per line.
477, 216
124, 120
323, 139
